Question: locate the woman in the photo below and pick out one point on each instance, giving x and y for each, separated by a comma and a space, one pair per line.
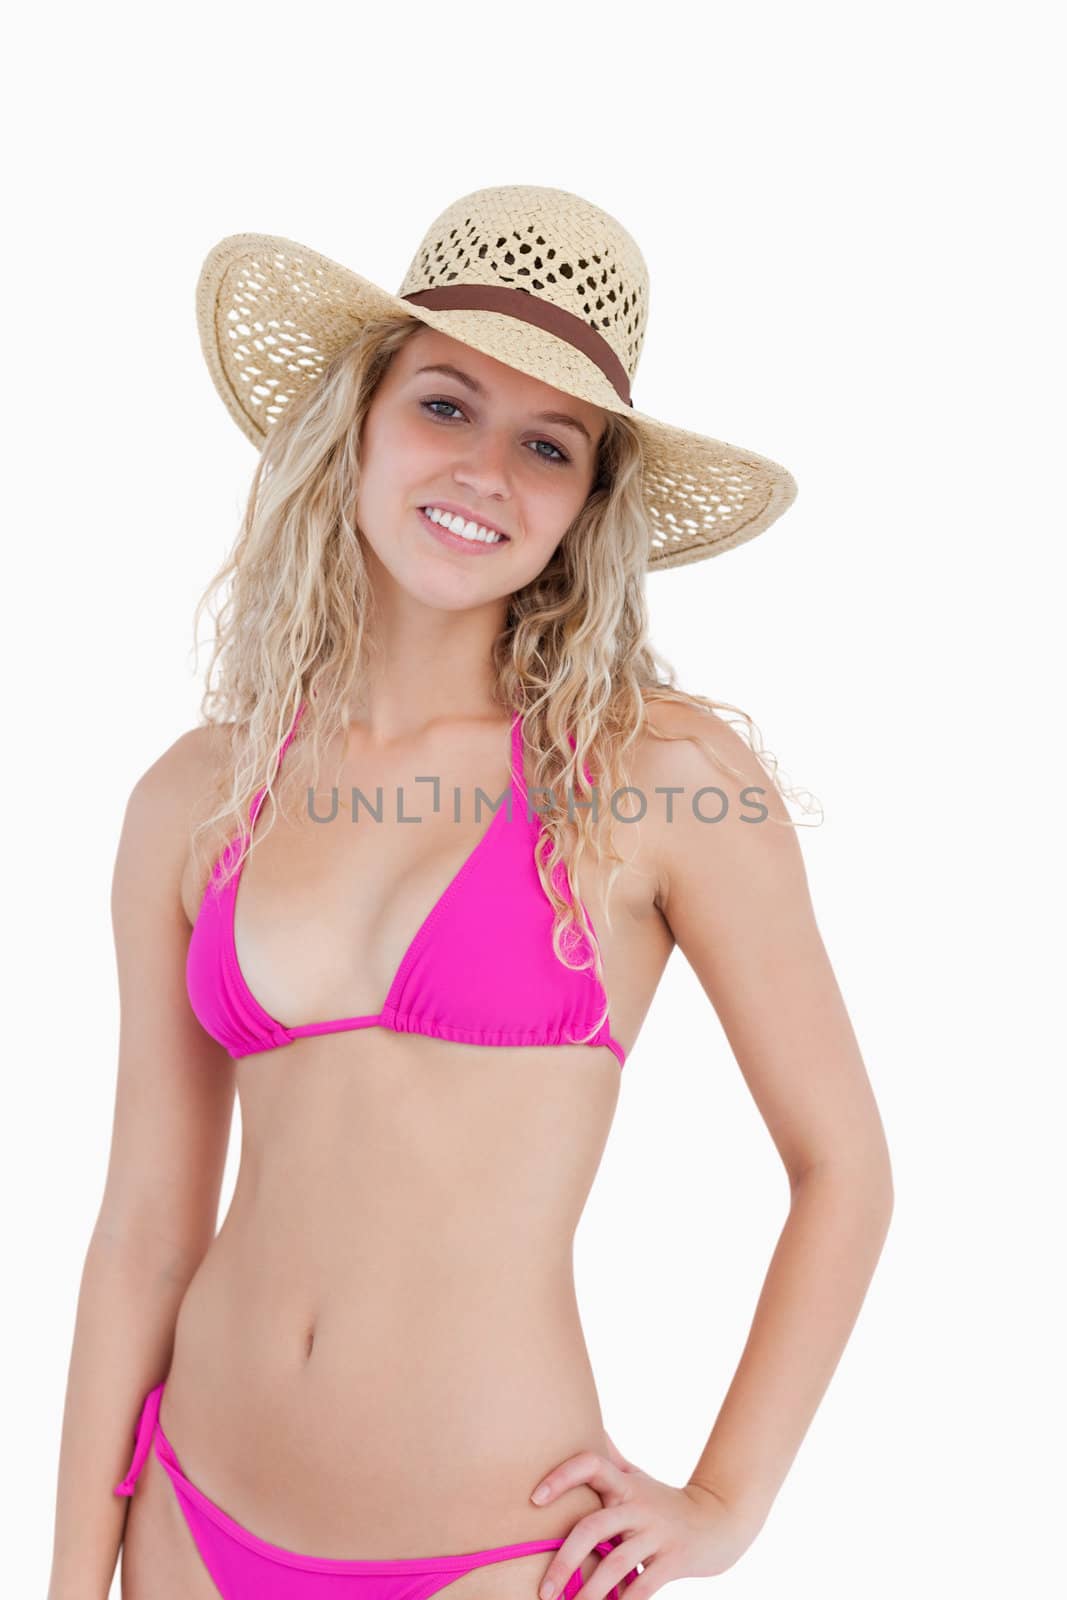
355, 1388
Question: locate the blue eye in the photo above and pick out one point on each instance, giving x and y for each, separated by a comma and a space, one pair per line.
558, 460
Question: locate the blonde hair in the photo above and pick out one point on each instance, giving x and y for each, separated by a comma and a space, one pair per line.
297, 626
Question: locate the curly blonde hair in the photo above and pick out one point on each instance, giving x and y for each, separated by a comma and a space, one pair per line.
297, 626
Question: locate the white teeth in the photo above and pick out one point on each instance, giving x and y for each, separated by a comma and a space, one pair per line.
466, 530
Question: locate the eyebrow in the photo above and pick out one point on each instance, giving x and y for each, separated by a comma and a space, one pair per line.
559, 417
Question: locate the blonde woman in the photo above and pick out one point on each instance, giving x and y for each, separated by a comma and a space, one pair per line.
354, 1390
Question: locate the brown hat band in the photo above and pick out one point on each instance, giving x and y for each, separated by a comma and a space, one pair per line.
530, 308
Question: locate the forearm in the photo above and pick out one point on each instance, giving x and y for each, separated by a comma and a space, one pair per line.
127, 1306
811, 1297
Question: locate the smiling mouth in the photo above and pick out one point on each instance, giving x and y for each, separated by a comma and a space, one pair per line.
459, 541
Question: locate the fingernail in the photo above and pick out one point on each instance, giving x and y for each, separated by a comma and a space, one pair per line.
540, 1494
547, 1589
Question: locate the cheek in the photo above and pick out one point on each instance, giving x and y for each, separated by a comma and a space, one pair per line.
390, 445
394, 468
546, 528
552, 508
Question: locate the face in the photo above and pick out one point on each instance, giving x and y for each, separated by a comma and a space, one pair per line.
484, 440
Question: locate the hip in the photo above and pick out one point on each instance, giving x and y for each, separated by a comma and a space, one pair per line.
214, 1554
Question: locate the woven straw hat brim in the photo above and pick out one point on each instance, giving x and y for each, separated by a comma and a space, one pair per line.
272, 313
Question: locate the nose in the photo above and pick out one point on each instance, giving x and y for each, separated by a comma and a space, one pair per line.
483, 468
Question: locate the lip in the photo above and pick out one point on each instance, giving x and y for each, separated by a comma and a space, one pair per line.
453, 541
468, 515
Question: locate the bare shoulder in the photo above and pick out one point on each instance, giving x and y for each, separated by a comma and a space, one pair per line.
679, 736
168, 790
184, 763
703, 787
163, 806
691, 747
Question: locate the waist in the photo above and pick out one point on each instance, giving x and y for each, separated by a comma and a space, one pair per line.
413, 1420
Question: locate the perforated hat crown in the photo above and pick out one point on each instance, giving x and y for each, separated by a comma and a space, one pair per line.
535, 277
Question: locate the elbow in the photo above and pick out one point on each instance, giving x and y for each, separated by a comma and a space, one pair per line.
864, 1186
880, 1183
155, 1252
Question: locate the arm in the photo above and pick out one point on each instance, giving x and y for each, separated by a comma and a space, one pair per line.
173, 1108
736, 897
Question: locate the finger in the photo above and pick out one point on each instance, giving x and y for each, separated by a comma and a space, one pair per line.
620, 1569
586, 1467
590, 1533
639, 1589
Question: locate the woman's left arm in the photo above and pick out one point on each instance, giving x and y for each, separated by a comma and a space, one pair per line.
736, 897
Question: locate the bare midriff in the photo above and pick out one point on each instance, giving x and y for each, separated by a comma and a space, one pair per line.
381, 1352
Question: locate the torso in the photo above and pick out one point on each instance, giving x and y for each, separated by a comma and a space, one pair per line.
381, 1351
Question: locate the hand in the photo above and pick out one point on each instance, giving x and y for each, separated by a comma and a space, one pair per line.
687, 1532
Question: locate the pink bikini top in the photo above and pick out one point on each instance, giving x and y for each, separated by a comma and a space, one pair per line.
454, 982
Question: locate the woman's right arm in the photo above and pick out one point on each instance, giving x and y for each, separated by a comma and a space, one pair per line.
173, 1110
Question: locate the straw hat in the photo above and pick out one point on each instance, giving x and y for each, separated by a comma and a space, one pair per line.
537, 278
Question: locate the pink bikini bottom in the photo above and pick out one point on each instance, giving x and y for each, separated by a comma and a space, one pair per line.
246, 1568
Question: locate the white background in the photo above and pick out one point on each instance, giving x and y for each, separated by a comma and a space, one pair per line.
848, 215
